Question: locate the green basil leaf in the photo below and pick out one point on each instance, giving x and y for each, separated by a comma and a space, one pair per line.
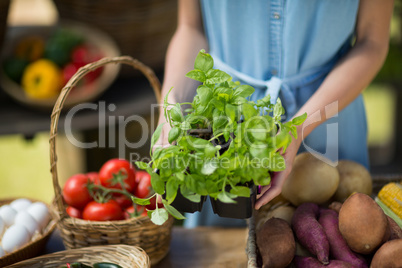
180, 176
218, 104
279, 163
240, 191
187, 193
156, 135
209, 167
185, 126
173, 211
157, 183
204, 93
141, 165
211, 187
259, 150
243, 91
159, 216
230, 111
278, 109
293, 130
239, 100
203, 61
210, 150
196, 184
283, 139
174, 134
172, 186
140, 201
223, 90
197, 75
215, 76
258, 132
248, 111
176, 114
226, 197
299, 120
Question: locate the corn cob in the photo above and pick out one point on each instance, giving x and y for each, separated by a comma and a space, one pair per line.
391, 196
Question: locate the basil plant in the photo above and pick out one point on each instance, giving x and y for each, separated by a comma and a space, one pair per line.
221, 142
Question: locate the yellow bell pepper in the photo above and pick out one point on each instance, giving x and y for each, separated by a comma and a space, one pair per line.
42, 79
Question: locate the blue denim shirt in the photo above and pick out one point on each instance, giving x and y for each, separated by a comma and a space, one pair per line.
285, 48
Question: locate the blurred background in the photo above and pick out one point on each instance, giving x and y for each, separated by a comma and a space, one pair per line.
142, 29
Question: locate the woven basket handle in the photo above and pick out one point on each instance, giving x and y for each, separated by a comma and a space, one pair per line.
149, 74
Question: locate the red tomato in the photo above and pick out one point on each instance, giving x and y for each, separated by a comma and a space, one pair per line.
144, 187
122, 200
94, 177
130, 212
109, 211
112, 168
81, 55
84, 54
152, 206
74, 212
68, 71
75, 192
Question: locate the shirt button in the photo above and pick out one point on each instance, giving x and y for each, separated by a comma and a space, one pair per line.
277, 15
274, 72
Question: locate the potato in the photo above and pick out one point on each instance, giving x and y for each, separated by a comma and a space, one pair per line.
363, 224
276, 243
388, 255
281, 212
311, 180
353, 177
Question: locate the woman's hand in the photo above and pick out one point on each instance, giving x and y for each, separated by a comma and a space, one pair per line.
272, 190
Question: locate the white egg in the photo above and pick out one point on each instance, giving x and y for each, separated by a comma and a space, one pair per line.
15, 238
8, 214
40, 213
2, 227
24, 218
20, 204
2, 253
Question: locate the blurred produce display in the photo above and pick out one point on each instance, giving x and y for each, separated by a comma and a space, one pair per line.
43, 66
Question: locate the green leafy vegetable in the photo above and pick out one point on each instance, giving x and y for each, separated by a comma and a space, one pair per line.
217, 142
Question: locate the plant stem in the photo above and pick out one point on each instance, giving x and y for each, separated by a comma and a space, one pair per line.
214, 137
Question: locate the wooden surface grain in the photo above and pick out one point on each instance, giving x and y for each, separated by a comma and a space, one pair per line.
206, 247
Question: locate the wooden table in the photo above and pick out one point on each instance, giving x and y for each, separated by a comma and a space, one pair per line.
206, 247
199, 247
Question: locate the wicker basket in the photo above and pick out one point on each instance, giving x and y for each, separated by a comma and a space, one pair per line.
125, 256
77, 233
142, 29
30, 250
252, 251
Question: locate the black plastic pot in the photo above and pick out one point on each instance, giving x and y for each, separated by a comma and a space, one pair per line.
242, 209
182, 204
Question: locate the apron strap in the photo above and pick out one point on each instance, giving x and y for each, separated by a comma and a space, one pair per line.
275, 85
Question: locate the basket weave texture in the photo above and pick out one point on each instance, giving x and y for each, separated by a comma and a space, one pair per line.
252, 251
77, 233
30, 250
142, 29
125, 256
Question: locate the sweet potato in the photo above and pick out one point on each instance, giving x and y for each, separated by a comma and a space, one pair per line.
388, 255
338, 247
309, 232
310, 262
276, 243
